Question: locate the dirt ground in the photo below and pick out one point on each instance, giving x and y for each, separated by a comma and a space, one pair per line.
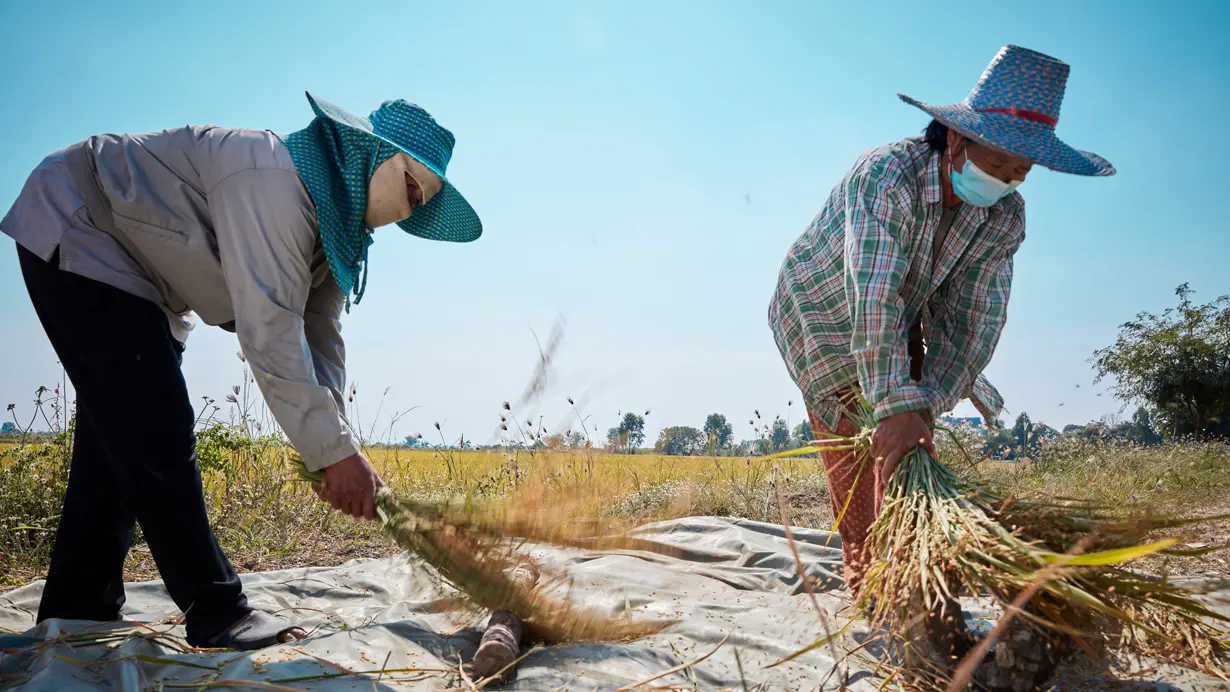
1214, 565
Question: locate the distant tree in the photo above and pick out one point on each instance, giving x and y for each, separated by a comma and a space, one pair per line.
575, 440
718, 433
761, 447
779, 435
629, 435
681, 440
634, 426
615, 439
9, 429
803, 434
1044, 433
1000, 444
1026, 437
1022, 431
1023, 440
1141, 430
1093, 431
1178, 363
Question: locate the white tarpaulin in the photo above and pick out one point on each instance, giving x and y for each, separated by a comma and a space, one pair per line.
735, 577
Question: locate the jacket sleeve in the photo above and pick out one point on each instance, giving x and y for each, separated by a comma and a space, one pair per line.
969, 316
264, 227
875, 266
322, 322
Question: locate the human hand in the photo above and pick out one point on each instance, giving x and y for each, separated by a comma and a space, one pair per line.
895, 437
349, 486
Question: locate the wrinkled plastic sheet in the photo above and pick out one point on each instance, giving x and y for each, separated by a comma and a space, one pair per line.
735, 579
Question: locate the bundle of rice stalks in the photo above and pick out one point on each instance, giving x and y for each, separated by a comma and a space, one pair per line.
940, 535
474, 548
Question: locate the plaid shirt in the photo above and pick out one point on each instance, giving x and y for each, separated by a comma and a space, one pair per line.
862, 273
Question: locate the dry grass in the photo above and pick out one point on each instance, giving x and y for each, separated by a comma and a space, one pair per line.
266, 519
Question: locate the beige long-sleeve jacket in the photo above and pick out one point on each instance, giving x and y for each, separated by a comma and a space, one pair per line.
210, 223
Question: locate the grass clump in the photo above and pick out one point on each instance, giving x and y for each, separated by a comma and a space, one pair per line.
33, 478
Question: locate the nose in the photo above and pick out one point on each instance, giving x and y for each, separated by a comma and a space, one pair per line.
1013, 176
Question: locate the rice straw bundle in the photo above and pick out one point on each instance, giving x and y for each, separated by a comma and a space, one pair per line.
472, 548
939, 534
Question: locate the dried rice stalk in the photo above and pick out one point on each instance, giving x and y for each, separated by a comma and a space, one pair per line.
473, 547
939, 534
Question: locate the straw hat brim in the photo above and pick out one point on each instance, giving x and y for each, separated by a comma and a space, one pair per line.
1017, 137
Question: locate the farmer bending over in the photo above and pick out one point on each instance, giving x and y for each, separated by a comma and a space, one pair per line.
917, 238
124, 240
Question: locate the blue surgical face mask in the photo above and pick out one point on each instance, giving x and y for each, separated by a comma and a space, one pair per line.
975, 187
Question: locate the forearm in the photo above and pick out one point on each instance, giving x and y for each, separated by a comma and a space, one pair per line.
308, 414
309, 411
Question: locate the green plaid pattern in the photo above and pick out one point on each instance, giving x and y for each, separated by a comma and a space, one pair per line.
861, 274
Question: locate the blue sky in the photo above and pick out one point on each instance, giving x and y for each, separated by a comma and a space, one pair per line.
641, 169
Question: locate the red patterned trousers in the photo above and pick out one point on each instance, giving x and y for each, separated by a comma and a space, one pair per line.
852, 483
851, 479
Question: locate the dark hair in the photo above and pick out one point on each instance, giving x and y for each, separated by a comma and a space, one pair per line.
936, 135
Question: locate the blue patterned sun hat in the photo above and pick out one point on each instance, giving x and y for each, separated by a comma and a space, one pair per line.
446, 216
336, 156
1014, 108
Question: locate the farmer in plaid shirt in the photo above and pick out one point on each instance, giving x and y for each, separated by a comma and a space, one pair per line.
871, 271
899, 288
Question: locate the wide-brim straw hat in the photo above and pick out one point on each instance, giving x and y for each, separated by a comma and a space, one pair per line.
1014, 108
447, 215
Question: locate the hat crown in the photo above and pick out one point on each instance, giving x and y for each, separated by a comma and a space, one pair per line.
1020, 79
412, 128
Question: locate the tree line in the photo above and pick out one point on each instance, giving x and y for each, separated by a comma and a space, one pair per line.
715, 438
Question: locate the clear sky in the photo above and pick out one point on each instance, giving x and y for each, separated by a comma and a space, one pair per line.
641, 169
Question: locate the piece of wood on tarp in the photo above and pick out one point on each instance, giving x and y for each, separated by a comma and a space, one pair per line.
501, 642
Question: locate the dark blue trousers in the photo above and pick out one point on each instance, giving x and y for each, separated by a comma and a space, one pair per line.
134, 458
